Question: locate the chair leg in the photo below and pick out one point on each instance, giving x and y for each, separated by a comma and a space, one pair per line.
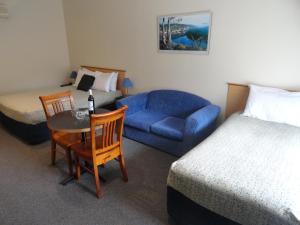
97, 181
77, 175
123, 168
53, 152
69, 160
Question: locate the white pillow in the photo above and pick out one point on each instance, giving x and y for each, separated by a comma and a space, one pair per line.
102, 81
273, 104
80, 74
113, 82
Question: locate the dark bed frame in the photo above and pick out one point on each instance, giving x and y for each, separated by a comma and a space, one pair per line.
28, 133
183, 211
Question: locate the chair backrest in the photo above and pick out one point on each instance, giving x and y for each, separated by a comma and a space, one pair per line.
111, 124
174, 103
58, 102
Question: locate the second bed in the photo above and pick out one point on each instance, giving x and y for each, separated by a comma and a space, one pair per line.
246, 172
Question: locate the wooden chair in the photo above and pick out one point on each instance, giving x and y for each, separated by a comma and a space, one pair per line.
54, 104
98, 150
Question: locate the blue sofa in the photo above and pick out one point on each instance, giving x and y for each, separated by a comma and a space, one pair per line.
172, 121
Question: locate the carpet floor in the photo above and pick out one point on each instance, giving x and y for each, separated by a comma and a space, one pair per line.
30, 193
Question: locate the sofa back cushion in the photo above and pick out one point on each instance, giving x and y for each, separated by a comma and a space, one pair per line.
174, 103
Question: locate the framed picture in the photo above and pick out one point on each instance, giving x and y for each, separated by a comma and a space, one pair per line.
185, 33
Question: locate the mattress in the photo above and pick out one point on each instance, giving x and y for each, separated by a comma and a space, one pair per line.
247, 171
25, 107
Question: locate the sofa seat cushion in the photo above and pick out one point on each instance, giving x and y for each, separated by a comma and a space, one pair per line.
143, 119
170, 127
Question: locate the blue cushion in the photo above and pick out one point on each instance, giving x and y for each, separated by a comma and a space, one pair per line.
170, 127
174, 103
143, 119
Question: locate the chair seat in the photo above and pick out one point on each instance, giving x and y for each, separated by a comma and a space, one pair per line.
66, 139
170, 127
143, 119
85, 149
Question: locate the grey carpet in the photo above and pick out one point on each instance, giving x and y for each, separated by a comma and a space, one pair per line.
30, 192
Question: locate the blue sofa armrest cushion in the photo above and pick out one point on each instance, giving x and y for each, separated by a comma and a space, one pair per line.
197, 123
135, 103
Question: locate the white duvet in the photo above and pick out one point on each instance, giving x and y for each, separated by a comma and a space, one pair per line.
247, 171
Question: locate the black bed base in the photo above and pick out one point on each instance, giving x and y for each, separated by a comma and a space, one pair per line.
30, 134
183, 211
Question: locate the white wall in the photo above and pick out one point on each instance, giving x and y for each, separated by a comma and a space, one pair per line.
252, 41
33, 45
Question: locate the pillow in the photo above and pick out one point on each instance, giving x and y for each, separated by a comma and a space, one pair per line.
102, 81
113, 82
272, 104
80, 74
86, 83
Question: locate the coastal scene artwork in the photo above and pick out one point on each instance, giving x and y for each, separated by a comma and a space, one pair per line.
185, 32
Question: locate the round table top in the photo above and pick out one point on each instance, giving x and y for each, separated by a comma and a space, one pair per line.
66, 121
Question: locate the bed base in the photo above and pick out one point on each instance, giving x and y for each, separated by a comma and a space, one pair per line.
28, 133
183, 211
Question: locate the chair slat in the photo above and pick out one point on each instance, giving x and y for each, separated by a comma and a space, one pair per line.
56, 103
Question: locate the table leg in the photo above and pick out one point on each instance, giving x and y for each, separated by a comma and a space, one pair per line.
67, 180
101, 178
71, 178
83, 137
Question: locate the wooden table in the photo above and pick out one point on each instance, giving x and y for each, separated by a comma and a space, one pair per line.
67, 122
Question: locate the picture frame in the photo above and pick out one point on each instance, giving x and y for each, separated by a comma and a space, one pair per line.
185, 32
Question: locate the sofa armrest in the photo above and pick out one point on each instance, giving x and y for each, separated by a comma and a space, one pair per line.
201, 123
135, 103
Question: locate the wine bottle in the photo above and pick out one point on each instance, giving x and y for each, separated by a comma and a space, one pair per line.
91, 103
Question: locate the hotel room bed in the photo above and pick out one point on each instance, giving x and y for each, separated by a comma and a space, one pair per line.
247, 172
22, 113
